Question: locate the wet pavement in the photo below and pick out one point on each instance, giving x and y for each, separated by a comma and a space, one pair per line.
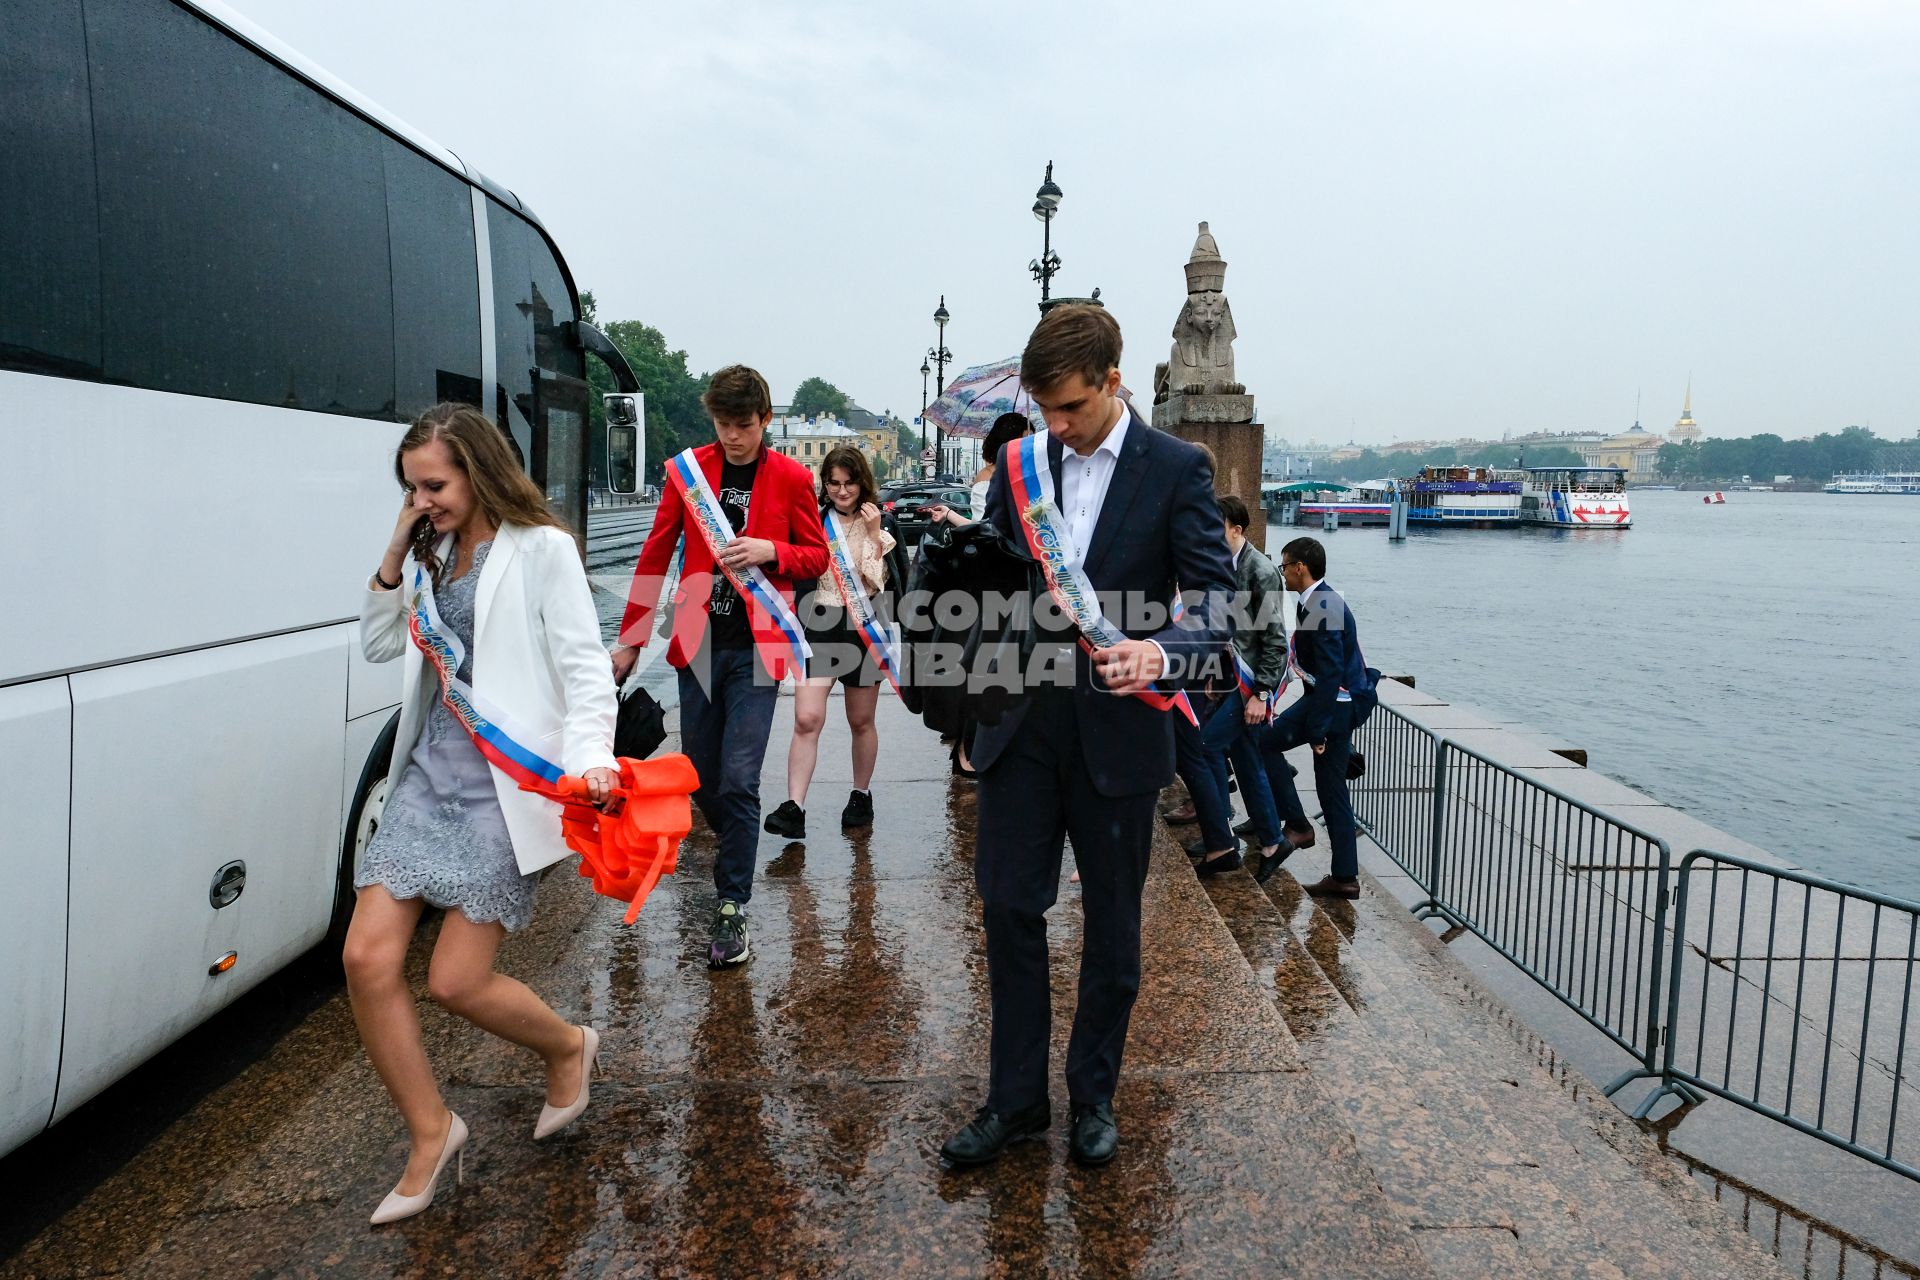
1308, 1091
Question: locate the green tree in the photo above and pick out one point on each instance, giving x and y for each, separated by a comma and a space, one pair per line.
1678, 460
817, 396
675, 417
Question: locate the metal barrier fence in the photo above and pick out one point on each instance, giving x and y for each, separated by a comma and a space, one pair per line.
1799, 1003
1394, 800
1574, 897
1786, 993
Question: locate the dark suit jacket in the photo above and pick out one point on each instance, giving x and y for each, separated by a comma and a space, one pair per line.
1326, 644
1159, 525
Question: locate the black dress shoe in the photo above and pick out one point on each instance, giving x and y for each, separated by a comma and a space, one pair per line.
1244, 830
1198, 848
1228, 861
1095, 1136
1270, 862
990, 1133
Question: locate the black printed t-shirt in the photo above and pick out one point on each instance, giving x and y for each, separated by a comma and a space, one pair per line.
730, 628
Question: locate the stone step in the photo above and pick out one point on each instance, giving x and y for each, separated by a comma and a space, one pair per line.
1573, 1181
1466, 1190
1420, 999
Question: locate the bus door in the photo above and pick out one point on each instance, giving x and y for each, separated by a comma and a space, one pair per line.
559, 461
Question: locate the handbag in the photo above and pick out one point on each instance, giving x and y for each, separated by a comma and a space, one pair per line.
640, 727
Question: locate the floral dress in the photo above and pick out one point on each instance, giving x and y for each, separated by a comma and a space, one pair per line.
443, 837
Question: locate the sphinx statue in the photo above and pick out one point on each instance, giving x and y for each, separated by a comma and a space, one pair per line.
1201, 362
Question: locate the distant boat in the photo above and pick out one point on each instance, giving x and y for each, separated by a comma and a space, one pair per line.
1715, 497
1473, 497
1907, 482
1574, 497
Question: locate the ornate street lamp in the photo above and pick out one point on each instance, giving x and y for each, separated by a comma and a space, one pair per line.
1046, 203
939, 355
925, 369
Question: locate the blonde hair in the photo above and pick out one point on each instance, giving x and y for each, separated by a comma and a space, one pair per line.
505, 492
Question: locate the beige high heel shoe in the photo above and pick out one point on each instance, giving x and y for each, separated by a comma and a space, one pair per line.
397, 1206
554, 1119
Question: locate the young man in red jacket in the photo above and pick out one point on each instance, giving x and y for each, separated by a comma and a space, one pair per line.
730, 651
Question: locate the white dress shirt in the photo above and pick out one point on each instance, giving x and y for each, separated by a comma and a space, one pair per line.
1084, 482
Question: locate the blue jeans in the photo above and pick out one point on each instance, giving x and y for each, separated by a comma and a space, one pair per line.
1226, 737
1329, 779
723, 730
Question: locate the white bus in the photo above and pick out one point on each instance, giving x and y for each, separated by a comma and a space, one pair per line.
225, 283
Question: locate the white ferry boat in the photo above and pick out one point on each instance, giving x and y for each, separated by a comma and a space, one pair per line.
1575, 497
1907, 482
1473, 497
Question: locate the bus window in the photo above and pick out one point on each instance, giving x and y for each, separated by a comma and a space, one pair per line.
541, 396
243, 222
436, 292
49, 237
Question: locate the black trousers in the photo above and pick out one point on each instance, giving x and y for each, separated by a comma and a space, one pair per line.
1037, 793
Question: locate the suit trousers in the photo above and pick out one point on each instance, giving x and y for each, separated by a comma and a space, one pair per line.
725, 720
1288, 731
1035, 794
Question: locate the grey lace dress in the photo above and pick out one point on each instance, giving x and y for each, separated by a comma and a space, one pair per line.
443, 837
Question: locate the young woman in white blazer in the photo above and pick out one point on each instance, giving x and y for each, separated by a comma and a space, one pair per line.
457, 833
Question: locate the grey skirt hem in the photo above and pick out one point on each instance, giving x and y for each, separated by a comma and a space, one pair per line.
406, 892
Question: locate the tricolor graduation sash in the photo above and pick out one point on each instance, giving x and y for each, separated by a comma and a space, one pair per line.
1030, 478
502, 742
1242, 673
882, 641
704, 510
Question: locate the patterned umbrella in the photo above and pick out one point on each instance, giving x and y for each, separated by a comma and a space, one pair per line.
978, 395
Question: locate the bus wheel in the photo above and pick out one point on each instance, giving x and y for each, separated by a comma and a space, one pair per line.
369, 802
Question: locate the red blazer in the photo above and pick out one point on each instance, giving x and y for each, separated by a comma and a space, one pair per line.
784, 511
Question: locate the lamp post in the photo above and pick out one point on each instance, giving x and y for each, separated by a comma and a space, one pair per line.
939, 355
1046, 203
925, 369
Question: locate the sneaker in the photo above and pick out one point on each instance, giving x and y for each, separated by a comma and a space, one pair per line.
730, 941
859, 810
789, 820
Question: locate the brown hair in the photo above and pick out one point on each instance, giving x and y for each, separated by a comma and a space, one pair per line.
737, 392
506, 494
1213, 463
1078, 339
1233, 511
854, 463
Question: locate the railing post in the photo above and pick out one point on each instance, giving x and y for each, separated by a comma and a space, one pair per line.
1438, 823
1667, 1083
1664, 887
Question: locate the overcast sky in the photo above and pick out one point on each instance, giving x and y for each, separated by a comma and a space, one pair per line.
1441, 219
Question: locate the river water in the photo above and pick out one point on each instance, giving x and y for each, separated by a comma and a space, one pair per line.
1752, 663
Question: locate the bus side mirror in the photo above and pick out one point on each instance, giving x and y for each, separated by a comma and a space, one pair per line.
626, 420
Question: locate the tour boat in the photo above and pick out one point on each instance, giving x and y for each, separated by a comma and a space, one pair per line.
1469, 496
1907, 482
1575, 497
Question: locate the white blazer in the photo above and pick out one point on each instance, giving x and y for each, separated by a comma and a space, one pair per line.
537, 655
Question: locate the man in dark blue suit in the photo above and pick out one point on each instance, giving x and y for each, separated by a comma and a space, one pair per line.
1085, 758
1339, 691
